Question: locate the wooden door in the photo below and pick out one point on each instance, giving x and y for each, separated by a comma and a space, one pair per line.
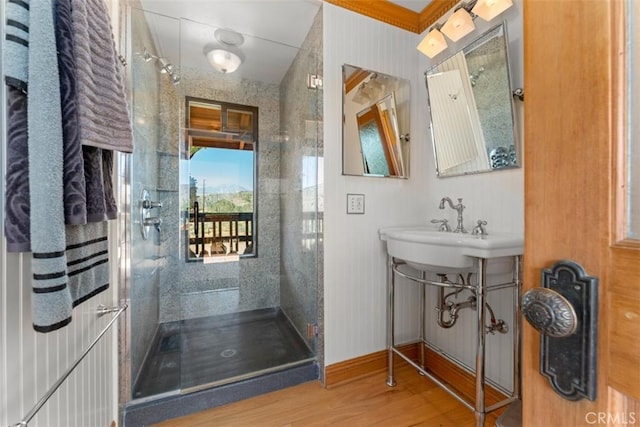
574, 203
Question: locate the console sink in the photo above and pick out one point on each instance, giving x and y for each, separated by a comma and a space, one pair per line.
427, 249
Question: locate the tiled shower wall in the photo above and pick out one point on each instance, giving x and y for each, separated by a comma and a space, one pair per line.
194, 289
301, 191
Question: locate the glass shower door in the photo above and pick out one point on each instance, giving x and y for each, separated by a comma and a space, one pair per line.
154, 342
225, 285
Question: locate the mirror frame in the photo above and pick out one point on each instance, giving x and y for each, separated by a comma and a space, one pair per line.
469, 47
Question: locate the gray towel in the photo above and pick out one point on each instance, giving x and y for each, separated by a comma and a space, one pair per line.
75, 192
102, 109
51, 298
87, 260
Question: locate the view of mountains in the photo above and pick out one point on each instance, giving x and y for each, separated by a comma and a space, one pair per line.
221, 198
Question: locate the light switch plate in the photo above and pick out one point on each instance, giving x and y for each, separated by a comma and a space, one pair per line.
355, 203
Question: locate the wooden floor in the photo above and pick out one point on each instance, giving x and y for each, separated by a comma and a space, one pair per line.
415, 401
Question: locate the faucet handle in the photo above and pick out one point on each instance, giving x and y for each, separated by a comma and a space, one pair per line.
479, 229
444, 224
148, 204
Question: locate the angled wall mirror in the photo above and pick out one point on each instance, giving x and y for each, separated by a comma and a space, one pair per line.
471, 108
375, 138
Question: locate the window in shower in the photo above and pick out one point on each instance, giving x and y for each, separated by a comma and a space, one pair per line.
221, 153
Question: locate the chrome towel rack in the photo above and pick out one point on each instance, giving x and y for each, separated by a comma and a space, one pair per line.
101, 311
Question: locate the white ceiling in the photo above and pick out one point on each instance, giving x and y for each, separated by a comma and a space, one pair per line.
273, 31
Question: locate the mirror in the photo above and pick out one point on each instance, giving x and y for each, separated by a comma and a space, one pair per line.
471, 108
375, 138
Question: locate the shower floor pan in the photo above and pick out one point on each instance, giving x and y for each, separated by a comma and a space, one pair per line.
196, 354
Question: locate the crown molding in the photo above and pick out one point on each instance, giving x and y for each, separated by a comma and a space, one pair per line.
382, 10
398, 16
434, 11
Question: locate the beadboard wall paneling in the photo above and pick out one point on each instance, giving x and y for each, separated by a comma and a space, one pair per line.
496, 197
355, 259
32, 362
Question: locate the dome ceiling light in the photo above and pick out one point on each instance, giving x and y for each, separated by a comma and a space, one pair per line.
226, 58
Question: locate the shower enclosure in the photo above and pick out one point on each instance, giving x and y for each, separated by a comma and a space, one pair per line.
224, 194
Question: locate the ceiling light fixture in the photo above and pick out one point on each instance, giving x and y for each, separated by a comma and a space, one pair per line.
226, 57
433, 43
458, 25
224, 60
489, 9
228, 37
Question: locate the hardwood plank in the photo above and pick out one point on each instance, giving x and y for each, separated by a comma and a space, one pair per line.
442, 368
366, 401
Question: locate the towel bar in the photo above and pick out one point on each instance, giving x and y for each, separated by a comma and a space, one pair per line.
100, 311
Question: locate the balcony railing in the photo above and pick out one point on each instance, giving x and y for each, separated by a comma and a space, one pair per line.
220, 234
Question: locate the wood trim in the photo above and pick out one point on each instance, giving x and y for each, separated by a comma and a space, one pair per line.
623, 300
444, 369
372, 114
355, 79
624, 347
398, 16
464, 381
619, 125
433, 12
353, 369
566, 176
383, 11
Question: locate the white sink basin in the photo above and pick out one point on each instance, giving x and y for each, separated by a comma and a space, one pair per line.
427, 249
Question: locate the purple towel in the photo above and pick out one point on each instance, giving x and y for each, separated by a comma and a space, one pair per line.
103, 113
16, 221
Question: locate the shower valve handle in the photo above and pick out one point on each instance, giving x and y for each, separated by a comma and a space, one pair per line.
148, 204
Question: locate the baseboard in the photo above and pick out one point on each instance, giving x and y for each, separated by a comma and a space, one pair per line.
461, 379
436, 364
353, 369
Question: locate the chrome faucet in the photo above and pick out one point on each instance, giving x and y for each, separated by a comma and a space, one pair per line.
458, 208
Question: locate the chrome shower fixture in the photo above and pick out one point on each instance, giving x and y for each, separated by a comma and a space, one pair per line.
163, 65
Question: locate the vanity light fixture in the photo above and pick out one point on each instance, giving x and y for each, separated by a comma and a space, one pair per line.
433, 43
458, 25
489, 9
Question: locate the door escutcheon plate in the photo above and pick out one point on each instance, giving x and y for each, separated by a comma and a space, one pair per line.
565, 312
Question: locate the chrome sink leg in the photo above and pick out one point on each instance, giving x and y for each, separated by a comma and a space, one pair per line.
391, 382
480, 350
423, 291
